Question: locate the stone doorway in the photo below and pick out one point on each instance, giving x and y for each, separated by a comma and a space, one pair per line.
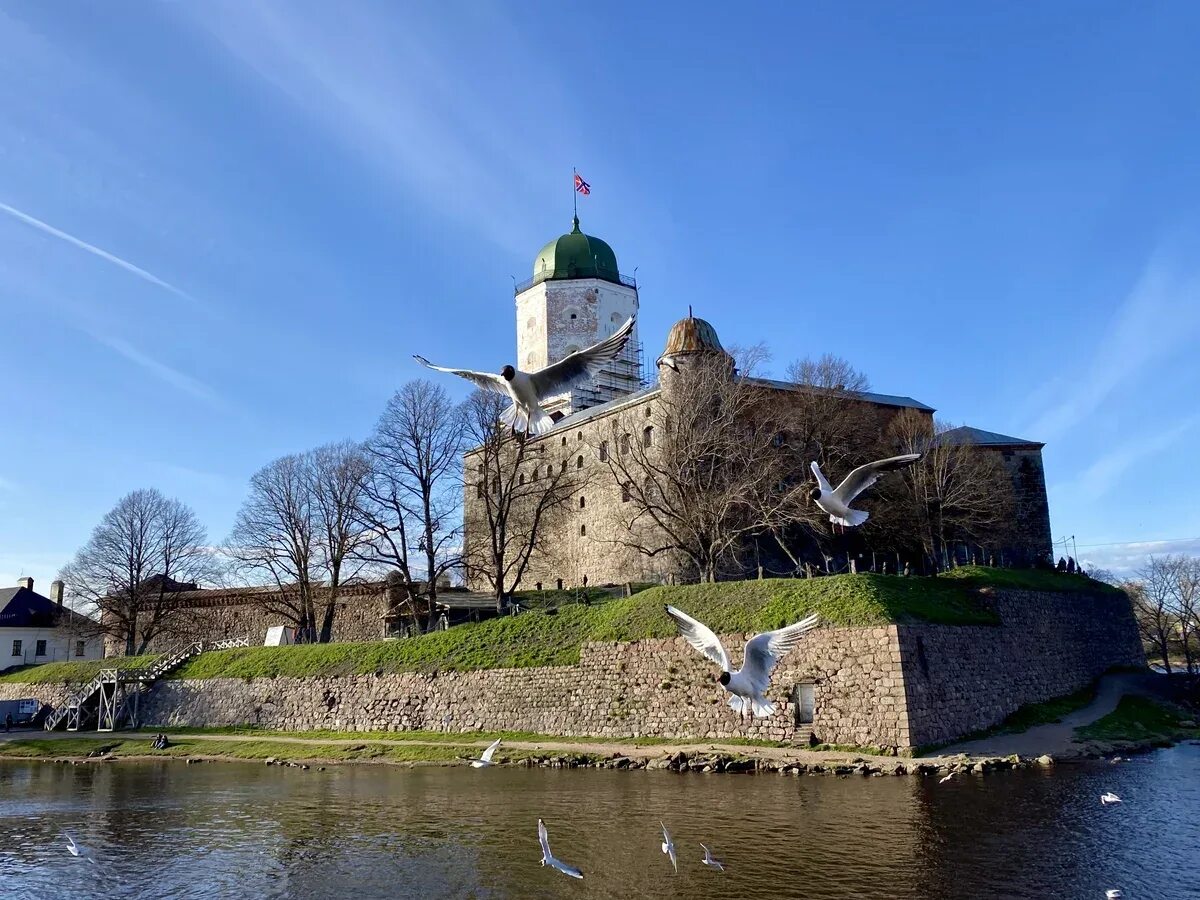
804, 702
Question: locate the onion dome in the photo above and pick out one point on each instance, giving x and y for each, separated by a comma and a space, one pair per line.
576, 255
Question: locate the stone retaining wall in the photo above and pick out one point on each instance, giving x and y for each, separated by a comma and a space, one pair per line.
890, 687
960, 679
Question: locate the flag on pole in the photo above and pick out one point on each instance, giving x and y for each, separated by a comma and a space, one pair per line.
582, 186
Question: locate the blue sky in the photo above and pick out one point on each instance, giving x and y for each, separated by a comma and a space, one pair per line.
226, 226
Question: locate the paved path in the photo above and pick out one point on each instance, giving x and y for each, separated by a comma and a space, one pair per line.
1057, 738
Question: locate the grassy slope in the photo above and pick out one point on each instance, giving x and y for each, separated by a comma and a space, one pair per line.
555, 638
1139, 719
49, 673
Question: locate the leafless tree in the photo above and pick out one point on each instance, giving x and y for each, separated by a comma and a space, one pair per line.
956, 492
413, 500
520, 491
1167, 602
1151, 607
826, 419
337, 474
275, 543
142, 548
704, 474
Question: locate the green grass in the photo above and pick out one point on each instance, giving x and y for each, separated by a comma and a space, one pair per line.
1047, 713
1028, 580
1140, 719
81, 672
251, 750
555, 636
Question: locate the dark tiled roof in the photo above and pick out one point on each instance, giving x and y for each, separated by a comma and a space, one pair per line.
22, 608
972, 435
868, 396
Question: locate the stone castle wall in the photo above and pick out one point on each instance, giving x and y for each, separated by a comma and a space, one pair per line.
899, 687
960, 679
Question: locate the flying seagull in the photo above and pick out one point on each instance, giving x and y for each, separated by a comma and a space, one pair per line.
947, 778
763, 651
485, 758
529, 389
837, 501
548, 857
77, 849
1109, 797
668, 847
709, 861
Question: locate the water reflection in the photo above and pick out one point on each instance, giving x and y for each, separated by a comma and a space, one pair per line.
227, 830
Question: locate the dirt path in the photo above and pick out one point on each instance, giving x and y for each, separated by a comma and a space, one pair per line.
1057, 738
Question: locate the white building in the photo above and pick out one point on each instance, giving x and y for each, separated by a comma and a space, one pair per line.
37, 629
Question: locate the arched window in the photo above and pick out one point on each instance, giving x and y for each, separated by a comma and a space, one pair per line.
582, 530
479, 490
604, 451
582, 502
535, 474
616, 318
624, 443
521, 478
549, 471
564, 440
579, 435
648, 436
625, 493
648, 411
579, 462
563, 468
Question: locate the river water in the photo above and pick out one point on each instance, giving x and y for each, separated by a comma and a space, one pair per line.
166, 830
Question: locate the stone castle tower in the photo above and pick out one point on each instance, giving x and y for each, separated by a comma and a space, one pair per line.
576, 297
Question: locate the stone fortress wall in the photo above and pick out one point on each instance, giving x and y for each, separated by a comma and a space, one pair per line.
895, 687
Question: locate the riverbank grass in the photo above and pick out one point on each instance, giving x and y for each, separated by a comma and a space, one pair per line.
1141, 720
555, 636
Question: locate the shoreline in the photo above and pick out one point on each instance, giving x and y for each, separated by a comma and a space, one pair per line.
297, 751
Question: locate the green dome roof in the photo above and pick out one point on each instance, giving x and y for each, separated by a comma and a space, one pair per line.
576, 255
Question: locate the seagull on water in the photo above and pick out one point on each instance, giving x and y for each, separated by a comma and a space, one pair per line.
548, 857
528, 390
485, 758
668, 847
763, 651
1109, 797
1113, 894
710, 861
837, 501
77, 849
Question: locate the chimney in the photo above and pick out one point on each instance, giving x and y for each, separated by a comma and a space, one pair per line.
56, 592
25, 583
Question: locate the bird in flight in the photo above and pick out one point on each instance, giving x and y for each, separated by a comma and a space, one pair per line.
548, 858
1113, 894
668, 847
77, 849
837, 501
947, 778
1108, 797
763, 651
710, 861
528, 390
485, 758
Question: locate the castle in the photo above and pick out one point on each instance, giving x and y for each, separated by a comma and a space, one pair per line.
578, 296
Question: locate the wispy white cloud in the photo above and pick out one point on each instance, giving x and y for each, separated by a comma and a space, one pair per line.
1159, 318
1098, 478
1125, 559
176, 379
94, 250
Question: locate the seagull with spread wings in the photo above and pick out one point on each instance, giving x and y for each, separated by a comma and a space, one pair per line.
668, 847
837, 501
548, 858
749, 684
485, 758
528, 390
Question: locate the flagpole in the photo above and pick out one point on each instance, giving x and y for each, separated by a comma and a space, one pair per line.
574, 193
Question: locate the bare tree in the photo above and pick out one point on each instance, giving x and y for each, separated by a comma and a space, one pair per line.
704, 474
274, 542
826, 419
1151, 607
412, 502
956, 492
337, 476
1169, 609
520, 491
143, 548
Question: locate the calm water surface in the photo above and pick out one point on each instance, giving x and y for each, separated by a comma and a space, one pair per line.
164, 830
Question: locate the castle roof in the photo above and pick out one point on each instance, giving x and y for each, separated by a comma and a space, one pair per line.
577, 255
967, 434
868, 396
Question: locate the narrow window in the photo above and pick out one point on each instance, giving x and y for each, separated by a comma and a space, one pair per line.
582, 502
479, 491
579, 462
80, 648
535, 473
563, 467
625, 493
39, 649
648, 436
579, 435
16, 648
521, 478
624, 443
604, 451
582, 530
564, 440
